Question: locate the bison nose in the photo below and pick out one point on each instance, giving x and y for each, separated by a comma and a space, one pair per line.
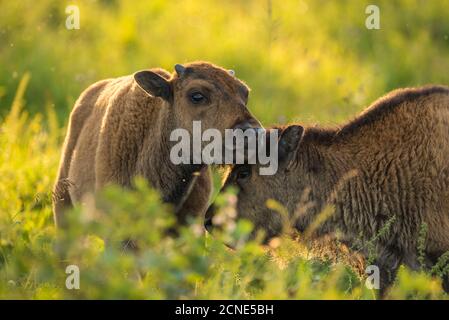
208, 218
248, 124
243, 125
208, 224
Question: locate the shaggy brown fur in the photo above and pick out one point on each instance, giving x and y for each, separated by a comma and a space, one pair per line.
390, 166
120, 128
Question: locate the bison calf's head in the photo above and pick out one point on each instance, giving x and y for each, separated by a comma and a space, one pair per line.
255, 191
200, 91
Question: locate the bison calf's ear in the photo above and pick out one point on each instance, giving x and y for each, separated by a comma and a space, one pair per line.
289, 143
180, 69
153, 84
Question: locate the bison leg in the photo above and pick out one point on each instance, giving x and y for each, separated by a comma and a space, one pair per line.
446, 283
388, 262
61, 201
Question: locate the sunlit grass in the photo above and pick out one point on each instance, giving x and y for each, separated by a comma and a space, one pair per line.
33, 257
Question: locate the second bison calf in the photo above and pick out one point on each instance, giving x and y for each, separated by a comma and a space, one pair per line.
385, 175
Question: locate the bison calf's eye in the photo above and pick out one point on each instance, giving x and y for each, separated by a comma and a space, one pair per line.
197, 98
243, 174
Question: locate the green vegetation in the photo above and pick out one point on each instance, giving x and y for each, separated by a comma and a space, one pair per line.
312, 61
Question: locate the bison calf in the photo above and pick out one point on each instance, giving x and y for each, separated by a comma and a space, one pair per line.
385, 176
120, 128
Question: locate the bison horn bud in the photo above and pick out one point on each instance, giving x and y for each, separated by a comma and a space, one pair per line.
231, 72
180, 69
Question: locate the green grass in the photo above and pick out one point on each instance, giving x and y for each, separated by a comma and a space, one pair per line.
312, 61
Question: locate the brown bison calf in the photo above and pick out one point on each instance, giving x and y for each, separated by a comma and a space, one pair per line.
120, 128
385, 175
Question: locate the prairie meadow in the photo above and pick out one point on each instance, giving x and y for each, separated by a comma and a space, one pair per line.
309, 61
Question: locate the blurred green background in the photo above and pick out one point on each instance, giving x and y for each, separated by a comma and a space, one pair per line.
313, 61
308, 60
